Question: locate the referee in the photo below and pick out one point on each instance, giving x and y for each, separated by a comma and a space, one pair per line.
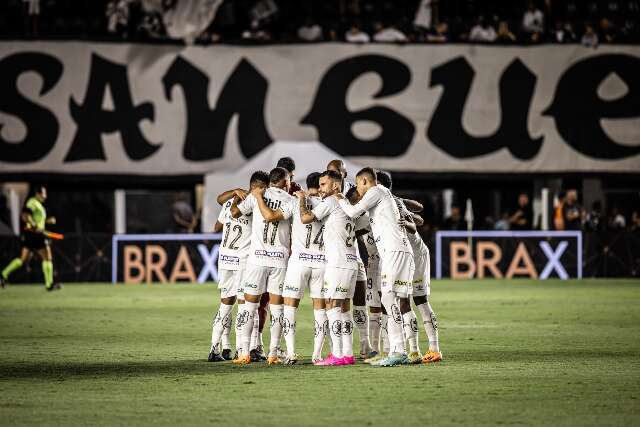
32, 239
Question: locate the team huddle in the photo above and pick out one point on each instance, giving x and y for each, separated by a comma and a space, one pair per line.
279, 241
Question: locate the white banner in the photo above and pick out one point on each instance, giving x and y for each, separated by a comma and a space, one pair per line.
122, 109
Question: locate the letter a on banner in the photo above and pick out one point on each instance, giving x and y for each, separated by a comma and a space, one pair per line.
521, 256
182, 269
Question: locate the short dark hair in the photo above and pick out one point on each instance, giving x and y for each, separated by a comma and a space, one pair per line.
259, 177
333, 175
369, 172
313, 180
384, 179
277, 174
287, 163
350, 193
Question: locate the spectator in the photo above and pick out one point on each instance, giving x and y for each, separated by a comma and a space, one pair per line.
572, 211
589, 38
255, 33
635, 221
503, 223
183, 216
504, 33
32, 14
118, 17
482, 31
608, 31
355, 35
522, 217
563, 33
558, 217
533, 20
617, 221
388, 34
455, 221
310, 31
440, 34
593, 220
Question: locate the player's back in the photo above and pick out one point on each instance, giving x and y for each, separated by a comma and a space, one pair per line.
236, 236
417, 244
338, 235
307, 244
384, 216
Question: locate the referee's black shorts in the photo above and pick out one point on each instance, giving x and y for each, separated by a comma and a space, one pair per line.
33, 241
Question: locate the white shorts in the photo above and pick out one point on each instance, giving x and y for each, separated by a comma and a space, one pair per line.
339, 283
258, 279
372, 294
299, 278
230, 283
421, 277
397, 273
362, 272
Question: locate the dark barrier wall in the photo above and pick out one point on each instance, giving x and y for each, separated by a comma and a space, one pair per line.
87, 257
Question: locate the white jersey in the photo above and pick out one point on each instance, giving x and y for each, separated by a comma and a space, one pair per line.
307, 245
339, 235
384, 215
270, 241
417, 244
236, 239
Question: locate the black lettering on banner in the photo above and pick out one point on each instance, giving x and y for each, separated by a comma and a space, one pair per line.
517, 84
330, 115
578, 110
41, 124
244, 94
93, 120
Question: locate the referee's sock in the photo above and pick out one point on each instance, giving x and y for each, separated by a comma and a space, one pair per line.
15, 264
47, 270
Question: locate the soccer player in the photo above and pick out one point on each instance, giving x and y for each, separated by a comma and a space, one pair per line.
267, 263
232, 258
290, 166
420, 288
396, 254
341, 269
305, 270
32, 239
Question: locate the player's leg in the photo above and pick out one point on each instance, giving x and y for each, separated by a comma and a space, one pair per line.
47, 266
317, 291
228, 290
410, 329
375, 310
295, 282
260, 322
332, 278
347, 321
254, 283
15, 264
422, 290
397, 273
360, 317
275, 287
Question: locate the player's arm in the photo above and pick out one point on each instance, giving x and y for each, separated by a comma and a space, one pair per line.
306, 216
217, 227
407, 222
269, 215
412, 205
370, 199
222, 198
417, 219
238, 209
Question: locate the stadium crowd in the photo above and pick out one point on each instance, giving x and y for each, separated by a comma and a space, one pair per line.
590, 22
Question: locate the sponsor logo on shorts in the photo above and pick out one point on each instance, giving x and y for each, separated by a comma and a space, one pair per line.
401, 283
291, 288
311, 257
341, 289
352, 258
229, 259
251, 285
270, 254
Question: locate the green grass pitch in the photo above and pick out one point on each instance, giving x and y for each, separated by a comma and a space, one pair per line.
516, 352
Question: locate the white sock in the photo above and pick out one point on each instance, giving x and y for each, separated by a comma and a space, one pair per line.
321, 324
238, 330
384, 321
335, 331
347, 334
410, 325
289, 328
374, 330
361, 321
394, 324
222, 320
276, 327
244, 321
226, 332
430, 325
256, 332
